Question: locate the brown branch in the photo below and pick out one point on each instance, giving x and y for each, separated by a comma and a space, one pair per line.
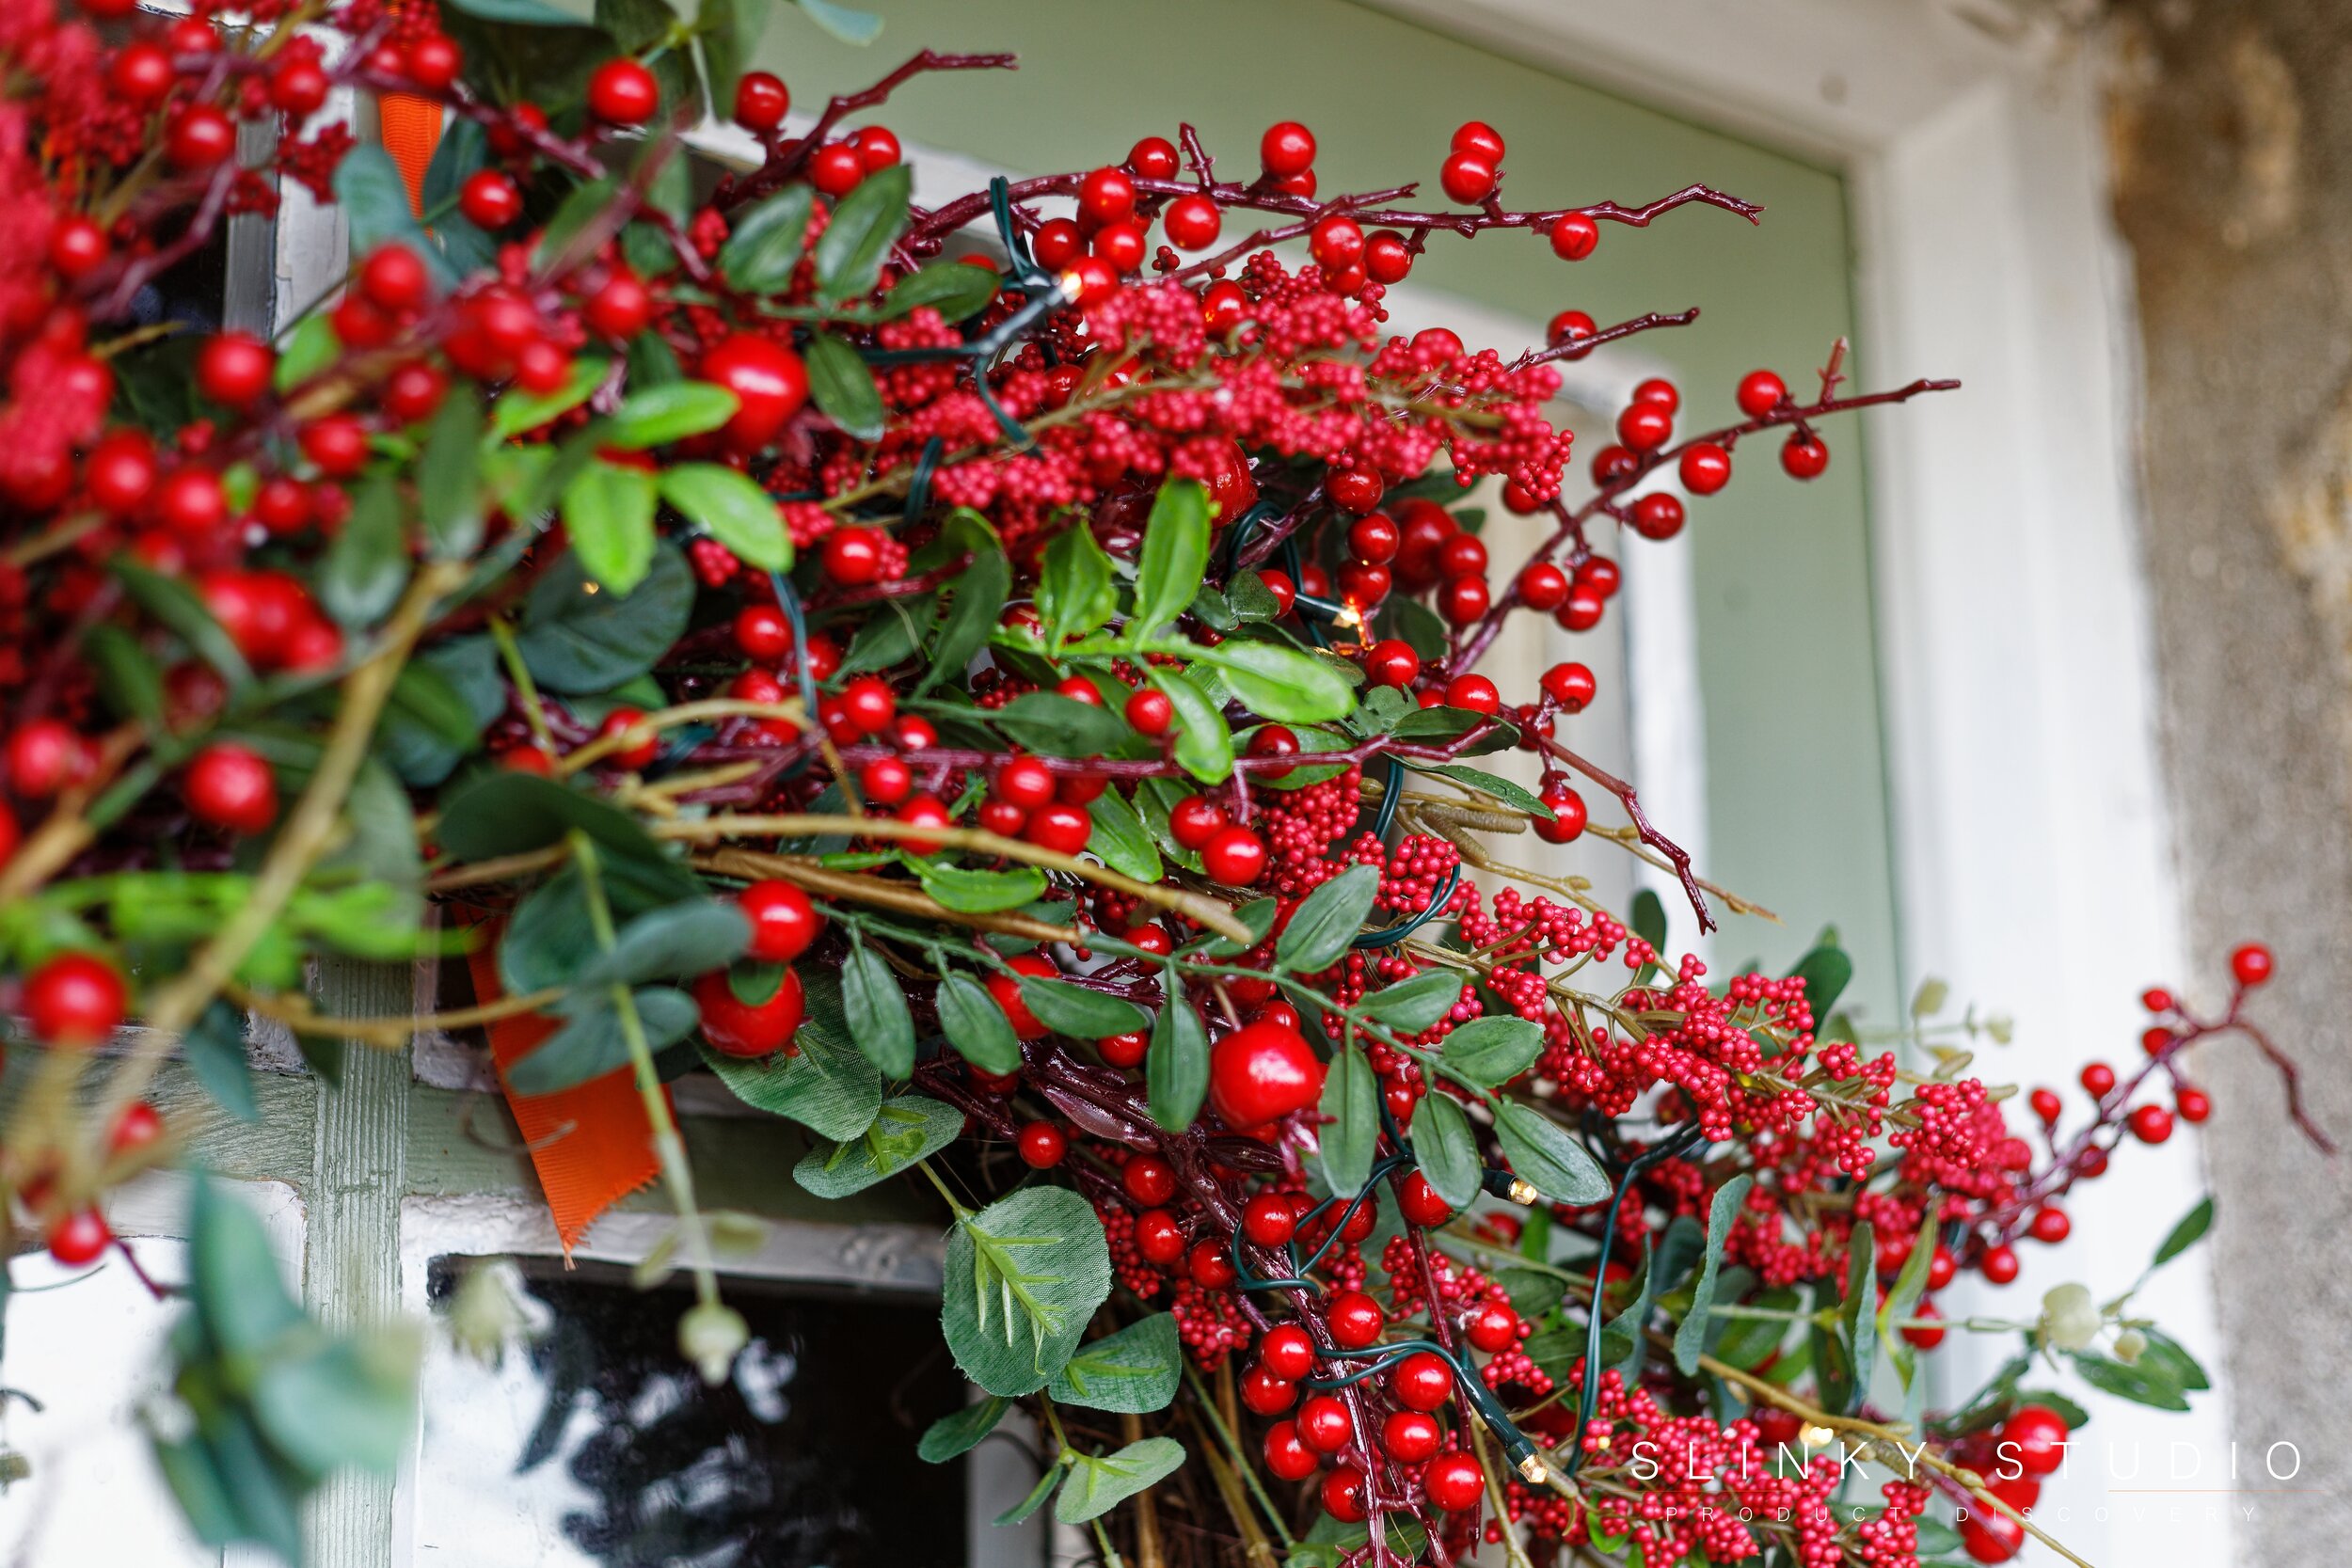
1651, 835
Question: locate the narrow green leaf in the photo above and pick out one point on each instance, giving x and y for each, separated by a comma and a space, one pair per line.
687, 938
760, 255
575, 638
843, 22
1176, 1071
1281, 683
977, 1026
843, 387
1910, 1283
827, 1085
878, 1014
515, 412
865, 224
655, 416
1078, 1011
1825, 971
1544, 1156
1320, 928
1691, 1334
1447, 1148
1492, 1050
972, 891
1075, 594
1411, 1006
2186, 1234
1351, 1101
449, 477
1059, 726
608, 510
975, 599
732, 509
1121, 841
954, 288
1174, 556
1204, 743
368, 563
961, 1432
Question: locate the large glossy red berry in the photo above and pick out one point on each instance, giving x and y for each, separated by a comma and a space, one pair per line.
1148, 1180
1658, 515
1645, 426
77, 247
1235, 856
2151, 1124
852, 556
869, 702
2193, 1105
1574, 237
783, 921
1569, 684
738, 1028
768, 382
1467, 178
1343, 1494
1422, 1381
338, 443
1474, 692
1149, 711
203, 137
2045, 1104
1005, 988
79, 1238
1492, 1328
623, 92
1706, 468
2050, 1226
1287, 149
1265, 1391
1025, 782
74, 999
1287, 1455
1477, 136
1453, 1481
1998, 1266
1355, 1320
1543, 587
619, 309
140, 1125
1760, 392
1159, 1238
120, 472
2250, 964
1269, 1220
1805, 456
1106, 196
1324, 1425
1337, 243
1568, 815
1042, 1145
2035, 1437
393, 279
877, 147
1060, 827
1409, 1436
1195, 820
1193, 222
2098, 1080
489, 199
434, 61
1288, 1352
234, 369
231, 786
1990, 1537
141, 74
1391, 662
761, 101
1262, 1072
1419, 1203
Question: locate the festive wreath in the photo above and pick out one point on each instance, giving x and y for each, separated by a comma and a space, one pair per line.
1001, 692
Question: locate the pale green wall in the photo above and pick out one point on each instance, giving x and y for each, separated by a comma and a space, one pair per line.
1798, 795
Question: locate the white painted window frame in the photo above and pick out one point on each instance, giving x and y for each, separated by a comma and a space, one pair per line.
2034, 854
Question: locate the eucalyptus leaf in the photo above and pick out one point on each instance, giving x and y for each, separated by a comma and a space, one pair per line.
1351, 1137
1327, 920
1544, 1156
977, 1026
1022, 1280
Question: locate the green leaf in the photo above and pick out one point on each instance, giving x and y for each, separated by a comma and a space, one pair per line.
977, 1026
449, 478
906, 1130
608, 509
176, 608
1078, 1011
240, 1297
678, 940
1097, 1484
960, 887
657, 415
1546, 1156
1747, 1341
1650, 919
1023, 1278
215, 1048
1690, 1334
1492, 1050
1825, 971
1256, 917
1282, 683
368, 563
1861, 1291
515, 412
1351, 1101
975, 599
1409, 1007
827, 1085
346, 1402
1204, 742
1447, 1148
309, 349
1176, 1070
463, 151
504, 812
1133, 1373
1074, 592
2143, 1383
1327, 920
732, 509
575, 638
1623, 1345
730, 36
262, 1491
1174, 557
961, 1432
592, 1040
877, 1008
954, 288
865, 224
1036, 1499
530, 13
132, 685
1514, 796
843, 387
1121, 841
1910, 1283
374, 199
843, 22
760, 255
2186, 1234
2166, 1356
1059, 726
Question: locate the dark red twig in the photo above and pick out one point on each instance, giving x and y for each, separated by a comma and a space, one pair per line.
1678, 856
784, 158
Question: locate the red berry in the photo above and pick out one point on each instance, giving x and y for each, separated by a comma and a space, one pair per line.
1463, 601
1925, 1338
1262, 1072
1574, 236
1942, 1266
1706, 468
1005, 988
489, 199
1159, 1238
1422, 1381
1235, 856
1466, 178
736, 1027
393, 279
231, 786
1154, 158
1209, 1266
234, 369
1568, 326
338, 443
2045, 1104
1998, 1266
885, 781
1355, 1320
1568, 815
1323, 1424
836, 170
77, 247
139, 1125
201, 138
2050, 1226
869, 702
1287, 149
1124, 1051
784, 921
1149, 711
623, 92
74, 999
1287, 1352
1337, 243
1286, 1455
1570, 685
639, 746
1343, 1494
1060, 827
141, 74
1492, 1328
120, 472
1387, 257
1805, 456
1193, 222
434, 61
1267, 1220
1474, 692
79, 1238
761, 101
1410, 1436
2250, 964
1760, 392
1194, 821
770, 385
1476, 135
1543, 587
621, 309
1042, 1145
2098, 1080
2035, 1436
1391, 662
1025, 782
877, 147
1992, 1537
2193, 1105
1265, 1391
2151, 1124
1657, 516
1106, 196
1644, 427
852, 556
1453, 1481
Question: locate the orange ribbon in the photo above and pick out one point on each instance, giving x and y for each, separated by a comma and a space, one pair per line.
411, 128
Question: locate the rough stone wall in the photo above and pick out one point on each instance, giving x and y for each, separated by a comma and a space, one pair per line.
2231, 128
